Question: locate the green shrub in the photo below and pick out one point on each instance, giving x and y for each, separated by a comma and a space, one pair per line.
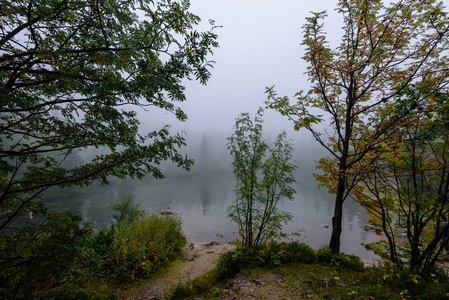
341, 260
80, 292
276, 254
62, 259
41, 257
125, 210
302, 253
102, 241
264, 256
232, 262
140, 247
435, 290
415, 285
196, 286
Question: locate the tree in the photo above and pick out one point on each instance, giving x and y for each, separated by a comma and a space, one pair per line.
73, 75
264, 174
406, 183
384, 52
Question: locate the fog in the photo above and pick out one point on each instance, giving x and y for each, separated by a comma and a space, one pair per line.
259, 47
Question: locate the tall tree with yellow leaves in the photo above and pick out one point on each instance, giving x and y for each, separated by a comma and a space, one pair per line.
384, 51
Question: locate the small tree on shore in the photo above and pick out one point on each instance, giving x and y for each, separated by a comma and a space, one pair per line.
264, 174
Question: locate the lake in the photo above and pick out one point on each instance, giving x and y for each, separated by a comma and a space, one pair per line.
202, 200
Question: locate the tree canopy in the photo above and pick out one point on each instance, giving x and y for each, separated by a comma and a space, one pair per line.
384, 52
73, 74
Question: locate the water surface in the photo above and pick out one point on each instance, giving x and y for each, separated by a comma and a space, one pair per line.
202, 200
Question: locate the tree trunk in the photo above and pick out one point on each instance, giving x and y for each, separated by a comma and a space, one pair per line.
334, 244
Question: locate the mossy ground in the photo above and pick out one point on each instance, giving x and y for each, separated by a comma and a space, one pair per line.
335, 278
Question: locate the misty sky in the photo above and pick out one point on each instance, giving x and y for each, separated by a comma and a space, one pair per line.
259, 47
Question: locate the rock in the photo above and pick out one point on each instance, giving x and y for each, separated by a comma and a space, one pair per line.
213, 243
327, 282
369, 227
281, 282
153, 298
340, 283
308, 281
168, 212
370, 267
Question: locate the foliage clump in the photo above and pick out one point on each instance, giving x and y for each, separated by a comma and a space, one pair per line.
64, 258
42, 257
267, 256
341, 260
390, 281
140, 247
125, 210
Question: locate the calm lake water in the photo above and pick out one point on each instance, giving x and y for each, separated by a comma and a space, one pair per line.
202, 200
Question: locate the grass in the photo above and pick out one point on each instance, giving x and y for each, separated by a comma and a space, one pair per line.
142, 246
327, 276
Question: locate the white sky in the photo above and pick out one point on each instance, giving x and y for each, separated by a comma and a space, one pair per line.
259, 47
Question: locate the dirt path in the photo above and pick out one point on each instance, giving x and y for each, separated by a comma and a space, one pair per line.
270, 285
203, 257
196, 261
